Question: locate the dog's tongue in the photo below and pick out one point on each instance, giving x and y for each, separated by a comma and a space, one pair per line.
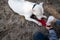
43, 22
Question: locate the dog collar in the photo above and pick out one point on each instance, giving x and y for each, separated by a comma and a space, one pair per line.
34, 5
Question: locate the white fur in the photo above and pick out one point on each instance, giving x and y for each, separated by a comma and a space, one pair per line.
24, 8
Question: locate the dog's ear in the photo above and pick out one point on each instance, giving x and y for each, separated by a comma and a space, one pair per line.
41, 4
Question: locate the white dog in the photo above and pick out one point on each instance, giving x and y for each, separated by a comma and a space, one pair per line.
25, 8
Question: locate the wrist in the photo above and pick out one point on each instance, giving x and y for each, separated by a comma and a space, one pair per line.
51, 29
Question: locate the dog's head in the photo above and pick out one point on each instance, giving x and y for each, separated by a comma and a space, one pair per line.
39, 11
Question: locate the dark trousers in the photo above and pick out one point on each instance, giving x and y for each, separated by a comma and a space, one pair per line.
58, 22
39, 36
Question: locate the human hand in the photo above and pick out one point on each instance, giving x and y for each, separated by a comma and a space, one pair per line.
49, 27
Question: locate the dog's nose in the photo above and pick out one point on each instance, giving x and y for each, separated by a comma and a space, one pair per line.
42, 18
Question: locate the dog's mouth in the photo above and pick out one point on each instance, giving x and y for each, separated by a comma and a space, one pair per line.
43, 22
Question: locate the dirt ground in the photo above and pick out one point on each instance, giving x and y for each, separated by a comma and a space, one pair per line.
15, 27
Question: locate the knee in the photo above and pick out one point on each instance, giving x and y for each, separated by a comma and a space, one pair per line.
38, 36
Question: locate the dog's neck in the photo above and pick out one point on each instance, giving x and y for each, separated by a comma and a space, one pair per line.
34, 5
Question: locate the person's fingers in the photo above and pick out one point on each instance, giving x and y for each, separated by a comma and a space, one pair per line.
49, 27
